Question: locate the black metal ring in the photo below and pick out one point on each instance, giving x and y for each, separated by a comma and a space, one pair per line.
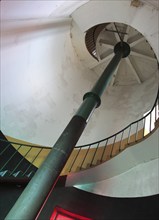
94, 95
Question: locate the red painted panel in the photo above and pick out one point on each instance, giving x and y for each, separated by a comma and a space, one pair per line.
62, 214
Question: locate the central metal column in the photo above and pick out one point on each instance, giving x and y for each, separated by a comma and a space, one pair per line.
32, 198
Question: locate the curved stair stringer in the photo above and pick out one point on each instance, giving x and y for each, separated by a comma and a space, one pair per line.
141, 154
35, 154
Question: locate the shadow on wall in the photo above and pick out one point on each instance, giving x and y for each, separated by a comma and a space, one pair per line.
14, 31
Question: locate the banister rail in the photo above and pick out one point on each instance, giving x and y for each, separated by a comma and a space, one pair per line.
147, 114
136, 131
92, 154
26, 145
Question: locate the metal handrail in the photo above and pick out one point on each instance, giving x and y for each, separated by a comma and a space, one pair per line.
96, 142
106, 144
26, 145
102, 140
127, 138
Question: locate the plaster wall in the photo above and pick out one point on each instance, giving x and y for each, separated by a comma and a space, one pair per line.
43, 79
139, 181
133, 173
121, 105
19, 10
143, 18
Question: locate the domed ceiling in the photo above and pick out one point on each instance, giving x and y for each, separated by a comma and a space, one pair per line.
138, 67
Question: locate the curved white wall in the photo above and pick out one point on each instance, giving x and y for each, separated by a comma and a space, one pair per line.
144, 18
43, 80
139, 181
121, 105
132, 173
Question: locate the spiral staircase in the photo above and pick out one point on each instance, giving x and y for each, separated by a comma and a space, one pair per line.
132, 70
20, 159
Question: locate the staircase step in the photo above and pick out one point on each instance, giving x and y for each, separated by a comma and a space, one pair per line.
5, 173
88, 165
18, 174
99, 162
31, 174
78, 169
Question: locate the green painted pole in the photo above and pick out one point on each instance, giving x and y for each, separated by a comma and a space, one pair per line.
33, 196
